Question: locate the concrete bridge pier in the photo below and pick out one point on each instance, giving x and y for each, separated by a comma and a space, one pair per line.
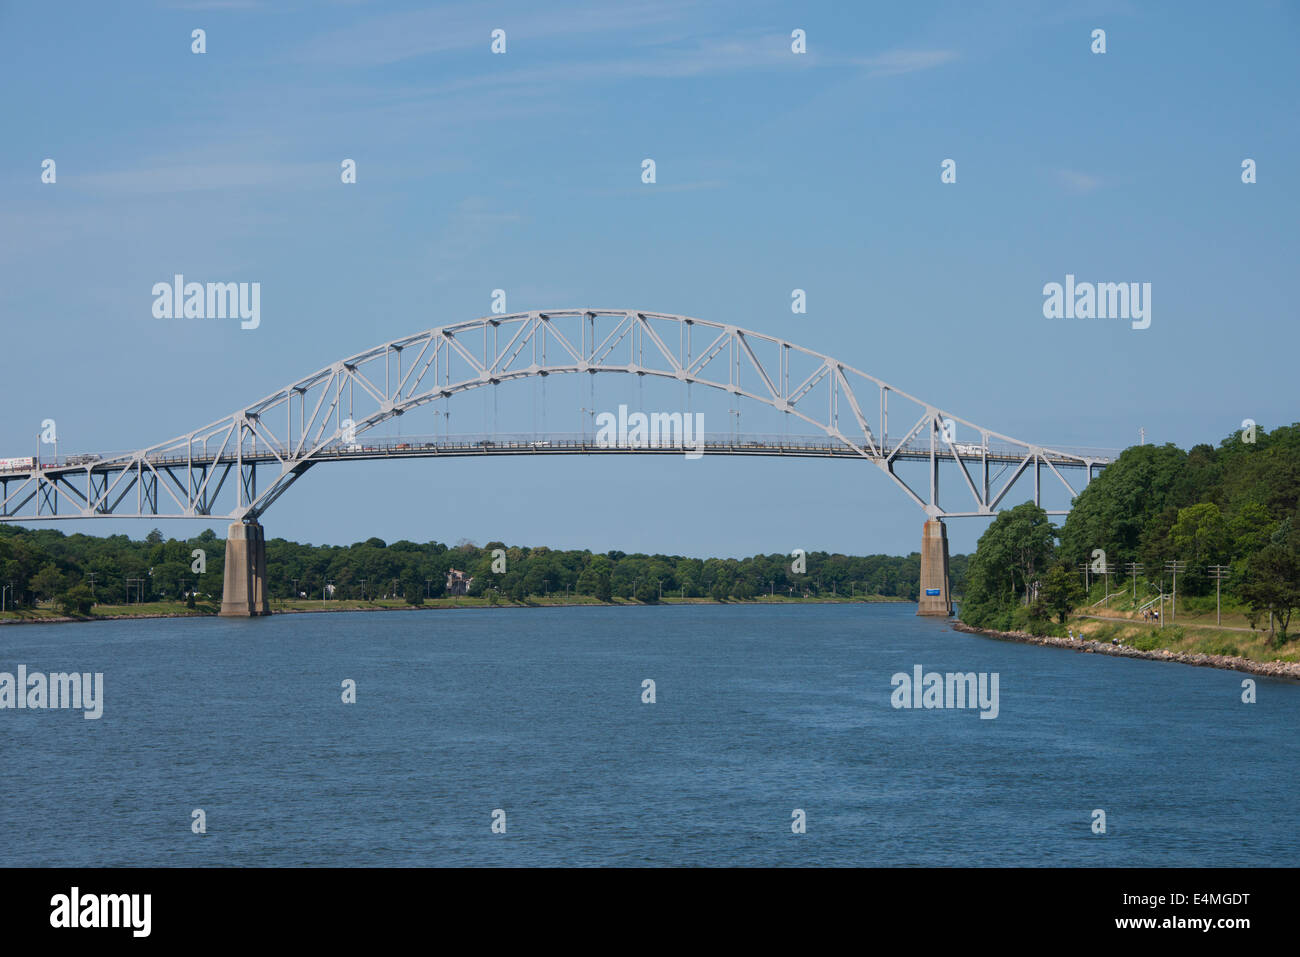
245, 586
934, 598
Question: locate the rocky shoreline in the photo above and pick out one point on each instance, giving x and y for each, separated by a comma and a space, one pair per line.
1270, 669
66, 619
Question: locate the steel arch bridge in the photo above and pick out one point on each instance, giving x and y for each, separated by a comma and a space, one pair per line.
320, 418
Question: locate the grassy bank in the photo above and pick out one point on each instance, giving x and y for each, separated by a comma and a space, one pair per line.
1191, 635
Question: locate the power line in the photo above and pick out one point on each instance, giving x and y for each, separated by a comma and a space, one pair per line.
1175, 567
1218, 573
1133, 569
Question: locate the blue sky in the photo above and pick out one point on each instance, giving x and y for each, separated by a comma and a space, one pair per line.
775, 171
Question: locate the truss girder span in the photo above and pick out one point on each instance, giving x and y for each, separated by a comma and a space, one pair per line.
321, 417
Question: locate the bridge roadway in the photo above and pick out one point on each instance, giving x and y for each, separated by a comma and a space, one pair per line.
562, 443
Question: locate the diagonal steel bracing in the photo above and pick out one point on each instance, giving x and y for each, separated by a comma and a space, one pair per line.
320, 417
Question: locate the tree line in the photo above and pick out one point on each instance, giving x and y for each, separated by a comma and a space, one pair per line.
77, 571
1235, 507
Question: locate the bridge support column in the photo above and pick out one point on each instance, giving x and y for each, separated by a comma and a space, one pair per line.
934, 598
245, 586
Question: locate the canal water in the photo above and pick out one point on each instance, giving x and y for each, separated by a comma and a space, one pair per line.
535, 718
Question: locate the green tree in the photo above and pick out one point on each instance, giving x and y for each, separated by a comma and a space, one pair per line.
1117, 506
47, 582
1007, 563
1273, 578
1200, 534
413, 589
437, 583
1061, 591
76, 600
595, 578
1250, 529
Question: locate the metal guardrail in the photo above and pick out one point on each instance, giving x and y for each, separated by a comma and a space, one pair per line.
572, 442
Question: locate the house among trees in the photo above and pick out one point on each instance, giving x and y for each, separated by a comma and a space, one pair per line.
458, 582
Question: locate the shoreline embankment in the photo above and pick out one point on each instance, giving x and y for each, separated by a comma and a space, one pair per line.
1268, 669
69, 619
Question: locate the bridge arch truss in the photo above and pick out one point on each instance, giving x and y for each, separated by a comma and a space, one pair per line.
319, 418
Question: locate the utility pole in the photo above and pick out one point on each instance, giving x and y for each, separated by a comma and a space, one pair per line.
1133, 569
1087, 585
1174, 567
1218, 573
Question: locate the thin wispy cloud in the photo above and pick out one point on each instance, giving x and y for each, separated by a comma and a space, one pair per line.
212, 4
898, 62
583, 42
685, 60
180, 177
395, 37
1076, 181
645, 190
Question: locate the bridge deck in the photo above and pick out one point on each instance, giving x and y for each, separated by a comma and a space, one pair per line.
801, 446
